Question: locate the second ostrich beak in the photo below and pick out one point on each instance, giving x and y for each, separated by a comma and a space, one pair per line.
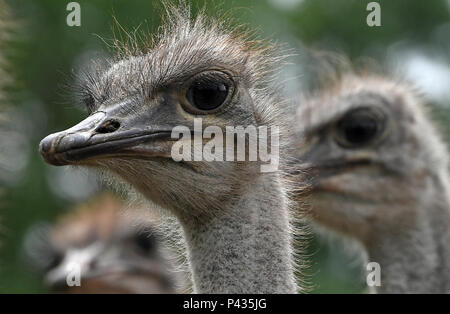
108, 133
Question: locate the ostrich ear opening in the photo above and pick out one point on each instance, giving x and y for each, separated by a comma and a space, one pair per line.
112, 132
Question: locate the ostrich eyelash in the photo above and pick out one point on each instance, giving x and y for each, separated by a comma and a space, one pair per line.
90, 93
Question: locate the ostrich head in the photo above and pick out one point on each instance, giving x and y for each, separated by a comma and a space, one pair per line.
194, 69
113, 252
373, 154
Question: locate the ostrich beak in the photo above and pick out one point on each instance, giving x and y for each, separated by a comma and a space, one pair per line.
114, 132
321, 170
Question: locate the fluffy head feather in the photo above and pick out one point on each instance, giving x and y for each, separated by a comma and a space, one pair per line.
185, 46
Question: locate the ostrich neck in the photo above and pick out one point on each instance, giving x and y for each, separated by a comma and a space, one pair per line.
417, 260
246, 248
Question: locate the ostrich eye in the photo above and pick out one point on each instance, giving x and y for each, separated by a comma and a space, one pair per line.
358, 128
56, 259
144, 242
208, 92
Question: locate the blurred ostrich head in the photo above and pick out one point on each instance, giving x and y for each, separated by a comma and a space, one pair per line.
113, 251
373, 154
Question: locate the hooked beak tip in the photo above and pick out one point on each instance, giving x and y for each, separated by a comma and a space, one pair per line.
52, 148
46, 144
46, 148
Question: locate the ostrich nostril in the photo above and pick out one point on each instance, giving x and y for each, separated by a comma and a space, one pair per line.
108, 126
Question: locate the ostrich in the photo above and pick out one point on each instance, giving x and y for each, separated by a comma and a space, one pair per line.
380, 176
6, 26
234, 217
114, 252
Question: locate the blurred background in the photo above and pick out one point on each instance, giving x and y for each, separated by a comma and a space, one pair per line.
413, 41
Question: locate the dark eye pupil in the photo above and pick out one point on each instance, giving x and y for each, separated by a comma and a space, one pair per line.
145, 242
55, 261
207, 95
357, 128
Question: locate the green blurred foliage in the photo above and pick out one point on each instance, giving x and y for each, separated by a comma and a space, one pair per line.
47, 52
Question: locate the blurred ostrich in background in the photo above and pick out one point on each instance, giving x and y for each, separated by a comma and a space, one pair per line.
13, 131
379, 173
234, 217
5, 30
115, 251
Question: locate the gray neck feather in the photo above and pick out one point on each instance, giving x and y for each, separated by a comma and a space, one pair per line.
417, 260
246, 248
